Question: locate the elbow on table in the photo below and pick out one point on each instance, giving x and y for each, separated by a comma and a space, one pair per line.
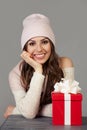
26, 114
29, 115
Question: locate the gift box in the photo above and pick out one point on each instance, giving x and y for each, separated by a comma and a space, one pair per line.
66, 109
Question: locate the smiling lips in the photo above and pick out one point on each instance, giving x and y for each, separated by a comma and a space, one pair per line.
39, 56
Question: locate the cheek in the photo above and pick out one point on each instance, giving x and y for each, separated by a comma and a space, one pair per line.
29, 50
49, 53
48, 48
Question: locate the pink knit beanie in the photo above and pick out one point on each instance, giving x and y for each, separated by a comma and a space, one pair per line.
36, 25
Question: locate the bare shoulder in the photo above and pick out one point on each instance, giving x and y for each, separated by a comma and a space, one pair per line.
66, 62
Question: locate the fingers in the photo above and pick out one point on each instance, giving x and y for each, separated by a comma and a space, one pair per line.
25, 54
27, 57
6, 115
8, 111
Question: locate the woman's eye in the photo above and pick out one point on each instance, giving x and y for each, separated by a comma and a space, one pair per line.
45, 41
31, 43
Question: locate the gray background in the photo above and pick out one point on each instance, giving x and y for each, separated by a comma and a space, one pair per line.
69, 22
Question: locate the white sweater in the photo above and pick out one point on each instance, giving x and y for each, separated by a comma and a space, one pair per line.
27, 103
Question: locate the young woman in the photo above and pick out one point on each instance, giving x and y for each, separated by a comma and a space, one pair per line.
33, 79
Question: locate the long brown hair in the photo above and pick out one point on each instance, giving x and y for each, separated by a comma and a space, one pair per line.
50, 68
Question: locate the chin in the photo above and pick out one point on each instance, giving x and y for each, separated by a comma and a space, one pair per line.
41, 62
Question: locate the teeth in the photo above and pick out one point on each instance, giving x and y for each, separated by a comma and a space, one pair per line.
39, 55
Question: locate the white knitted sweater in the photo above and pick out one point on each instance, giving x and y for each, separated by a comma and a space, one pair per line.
27, 103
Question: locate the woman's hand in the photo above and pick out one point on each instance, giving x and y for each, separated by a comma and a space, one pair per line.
26, 56
8, 111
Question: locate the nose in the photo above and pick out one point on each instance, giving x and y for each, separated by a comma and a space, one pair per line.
39, 47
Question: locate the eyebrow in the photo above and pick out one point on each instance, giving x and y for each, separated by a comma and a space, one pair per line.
41, 39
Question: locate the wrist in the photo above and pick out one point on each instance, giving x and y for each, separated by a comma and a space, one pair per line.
39, 70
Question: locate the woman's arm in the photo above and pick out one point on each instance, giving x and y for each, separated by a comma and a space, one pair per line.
68, 69
27, 104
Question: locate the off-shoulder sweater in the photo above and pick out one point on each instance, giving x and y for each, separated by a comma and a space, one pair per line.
27, 103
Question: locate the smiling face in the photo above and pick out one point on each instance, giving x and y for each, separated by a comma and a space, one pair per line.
39, 48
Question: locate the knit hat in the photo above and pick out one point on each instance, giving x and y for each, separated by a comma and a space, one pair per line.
36, 25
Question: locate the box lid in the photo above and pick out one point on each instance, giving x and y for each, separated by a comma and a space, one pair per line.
60, 96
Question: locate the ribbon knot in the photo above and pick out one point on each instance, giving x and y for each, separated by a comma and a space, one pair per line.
65, 87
